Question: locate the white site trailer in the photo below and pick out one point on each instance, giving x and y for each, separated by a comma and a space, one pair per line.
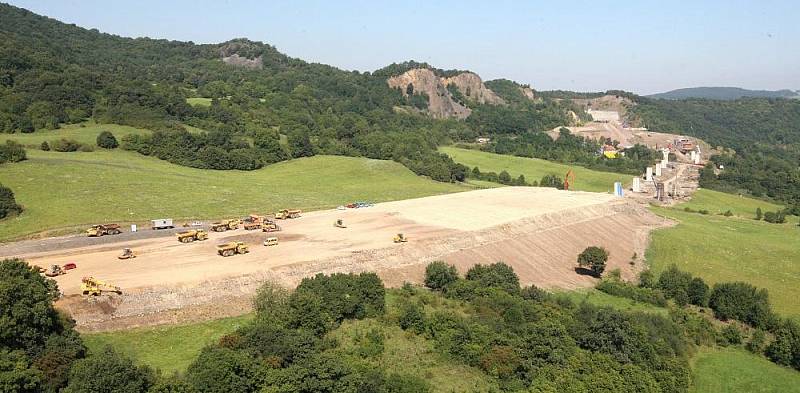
161, 223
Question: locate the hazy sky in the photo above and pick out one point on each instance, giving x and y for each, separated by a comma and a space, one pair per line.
640, 46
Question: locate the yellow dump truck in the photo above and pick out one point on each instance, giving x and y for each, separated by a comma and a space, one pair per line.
95, 287
400, 238
288, 213
232, 248
223, 226
192, 235
103, 229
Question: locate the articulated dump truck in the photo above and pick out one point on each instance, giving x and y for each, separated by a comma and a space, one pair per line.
232, 248
192, 235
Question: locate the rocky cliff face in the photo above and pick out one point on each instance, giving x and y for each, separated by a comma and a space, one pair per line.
441, 103
472, 87
527, 92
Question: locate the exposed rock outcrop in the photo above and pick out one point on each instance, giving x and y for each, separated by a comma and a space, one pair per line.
236, 60
441, 103
472, 87
527, 92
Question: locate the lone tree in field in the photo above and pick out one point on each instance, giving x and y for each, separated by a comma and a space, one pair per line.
758, 213
439, 274
106, 140
594, 258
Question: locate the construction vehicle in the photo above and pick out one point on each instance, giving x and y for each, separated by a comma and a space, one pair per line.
232, 248
127, 253
270, 226
339, 223
287, 213
225, 225
103, 229
95, 287
255, 221
569, 179
271, 241
400, 238
54, 270
192, 235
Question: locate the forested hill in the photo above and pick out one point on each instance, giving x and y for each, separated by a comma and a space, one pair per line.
52, 73
723, 93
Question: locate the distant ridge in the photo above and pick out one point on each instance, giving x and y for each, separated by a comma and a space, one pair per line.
723, 93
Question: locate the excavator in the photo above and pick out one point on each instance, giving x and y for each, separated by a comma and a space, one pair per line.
94, 287
569, 179
400, 238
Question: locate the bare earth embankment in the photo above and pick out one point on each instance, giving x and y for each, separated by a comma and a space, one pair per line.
538, 231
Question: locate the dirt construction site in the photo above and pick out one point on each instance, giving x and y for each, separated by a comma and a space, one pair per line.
538, 231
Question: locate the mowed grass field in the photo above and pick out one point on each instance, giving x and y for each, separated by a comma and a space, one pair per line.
85, 133
535, 169
66, 191
719, 202
720, 249
169, 348
724, 370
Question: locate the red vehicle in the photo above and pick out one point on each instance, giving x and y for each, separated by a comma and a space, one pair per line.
69, 266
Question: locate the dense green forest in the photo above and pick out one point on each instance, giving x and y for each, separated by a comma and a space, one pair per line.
764, 133
522, 339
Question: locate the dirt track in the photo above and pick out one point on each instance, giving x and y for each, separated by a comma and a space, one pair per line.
538, 231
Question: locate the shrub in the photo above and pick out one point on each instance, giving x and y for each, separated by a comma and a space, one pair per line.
12, 152
221, 370
647, 279
497, 275
778, 217
439, 274
759, 214
675, 283
697, 292
594, 258
743, 302
8, 204
65, 145
640, 294
785, 350
411, 317
757, 341
106, 140
731, 335
728, 213
45, 146
551, 181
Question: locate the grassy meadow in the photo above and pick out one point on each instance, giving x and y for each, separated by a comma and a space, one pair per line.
535, 169
719, 248
65, 191
724, 370
85, 133
169, 348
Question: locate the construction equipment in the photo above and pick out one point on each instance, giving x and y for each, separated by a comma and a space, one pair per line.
192, 235
95, 287
400, 238
339, 223
270, 227
255, 221
103, 229
69, 266
225, 225
54, 270
127, 253
232, 248
271, 241
569, 179
287, 213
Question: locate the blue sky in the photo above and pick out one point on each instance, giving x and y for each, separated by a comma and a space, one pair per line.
640, 46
